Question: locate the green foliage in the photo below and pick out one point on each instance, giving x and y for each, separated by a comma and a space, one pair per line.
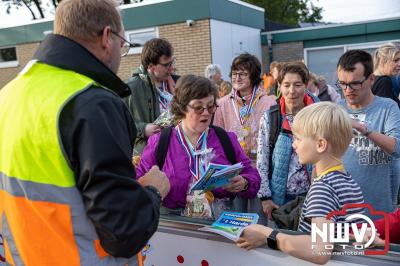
289, 12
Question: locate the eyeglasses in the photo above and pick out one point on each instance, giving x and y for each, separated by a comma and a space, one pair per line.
355, 85
240, 75
127, 44
200, 109
169, 64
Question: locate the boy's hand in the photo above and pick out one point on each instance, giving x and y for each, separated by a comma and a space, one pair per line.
268, 206
253, 236
378, 242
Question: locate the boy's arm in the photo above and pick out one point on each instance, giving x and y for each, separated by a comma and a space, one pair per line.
299, 246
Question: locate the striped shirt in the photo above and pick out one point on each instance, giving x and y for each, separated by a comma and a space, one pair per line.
330, 193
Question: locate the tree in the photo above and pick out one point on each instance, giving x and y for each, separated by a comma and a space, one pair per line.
289, 12
34, 6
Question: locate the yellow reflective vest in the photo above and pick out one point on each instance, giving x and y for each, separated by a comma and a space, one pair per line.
42, 216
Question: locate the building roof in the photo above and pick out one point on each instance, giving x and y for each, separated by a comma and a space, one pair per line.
274, 26
359, 32
152, 13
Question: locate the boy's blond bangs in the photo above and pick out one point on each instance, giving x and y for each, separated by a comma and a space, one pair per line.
325, 120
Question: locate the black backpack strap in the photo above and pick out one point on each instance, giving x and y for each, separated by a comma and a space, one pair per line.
162, 147
275, 118
226, 143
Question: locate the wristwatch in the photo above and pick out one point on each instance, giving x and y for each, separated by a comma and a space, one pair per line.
271, 239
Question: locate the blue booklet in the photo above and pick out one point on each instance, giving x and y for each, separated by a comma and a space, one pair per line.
231, 224
216, 175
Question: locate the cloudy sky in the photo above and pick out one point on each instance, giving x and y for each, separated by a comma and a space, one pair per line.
358, 10
334, 11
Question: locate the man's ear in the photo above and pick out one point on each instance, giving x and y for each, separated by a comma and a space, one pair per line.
106, 39
322, 145
371, 78
150, 67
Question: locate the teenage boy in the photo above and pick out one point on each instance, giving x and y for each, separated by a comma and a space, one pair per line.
152, 86
322, 133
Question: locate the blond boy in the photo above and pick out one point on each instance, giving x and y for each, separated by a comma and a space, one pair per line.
322, 133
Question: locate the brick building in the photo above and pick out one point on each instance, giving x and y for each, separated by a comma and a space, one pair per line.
201, 31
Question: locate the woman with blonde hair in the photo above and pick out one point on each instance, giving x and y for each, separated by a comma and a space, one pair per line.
386, 65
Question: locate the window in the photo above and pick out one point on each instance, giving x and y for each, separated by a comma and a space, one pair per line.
323, 62
8, 57
140, 36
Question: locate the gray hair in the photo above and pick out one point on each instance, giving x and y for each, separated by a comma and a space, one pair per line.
211, 70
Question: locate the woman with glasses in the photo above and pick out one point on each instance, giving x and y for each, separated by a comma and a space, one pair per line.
241, 110
386, 66
193, 144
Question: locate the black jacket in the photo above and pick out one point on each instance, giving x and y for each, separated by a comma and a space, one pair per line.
383, 87
96, 131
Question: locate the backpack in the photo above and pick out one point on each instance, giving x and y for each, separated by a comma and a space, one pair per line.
163, 143
275, 118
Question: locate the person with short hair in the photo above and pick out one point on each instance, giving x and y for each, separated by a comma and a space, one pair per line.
241, 110
224, 88
322, 133
67, 185
326, 91
274, 69
152, 88
193, 144
283, 177
371, 156
213, 73
386, 66
312, 85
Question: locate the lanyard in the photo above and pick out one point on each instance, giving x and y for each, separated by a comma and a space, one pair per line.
242, 113
197, 168
332, 169
165, 96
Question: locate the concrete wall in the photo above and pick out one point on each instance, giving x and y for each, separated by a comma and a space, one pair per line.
229, 40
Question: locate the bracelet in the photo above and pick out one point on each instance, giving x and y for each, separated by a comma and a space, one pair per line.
247, 184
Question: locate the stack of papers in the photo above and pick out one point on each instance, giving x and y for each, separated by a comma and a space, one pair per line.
231, 224
217, 175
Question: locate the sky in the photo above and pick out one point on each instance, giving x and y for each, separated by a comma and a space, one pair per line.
334, 11
357, 10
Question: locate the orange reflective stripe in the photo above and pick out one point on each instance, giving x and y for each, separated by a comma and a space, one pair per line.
140, 258
99, 250
26, 223
7, 252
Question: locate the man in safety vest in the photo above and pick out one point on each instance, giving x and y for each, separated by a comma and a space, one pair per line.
68, 194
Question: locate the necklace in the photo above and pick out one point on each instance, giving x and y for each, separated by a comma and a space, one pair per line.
339, 167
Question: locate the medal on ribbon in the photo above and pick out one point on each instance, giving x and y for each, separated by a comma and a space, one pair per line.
199, 155
165, 97
243, 112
